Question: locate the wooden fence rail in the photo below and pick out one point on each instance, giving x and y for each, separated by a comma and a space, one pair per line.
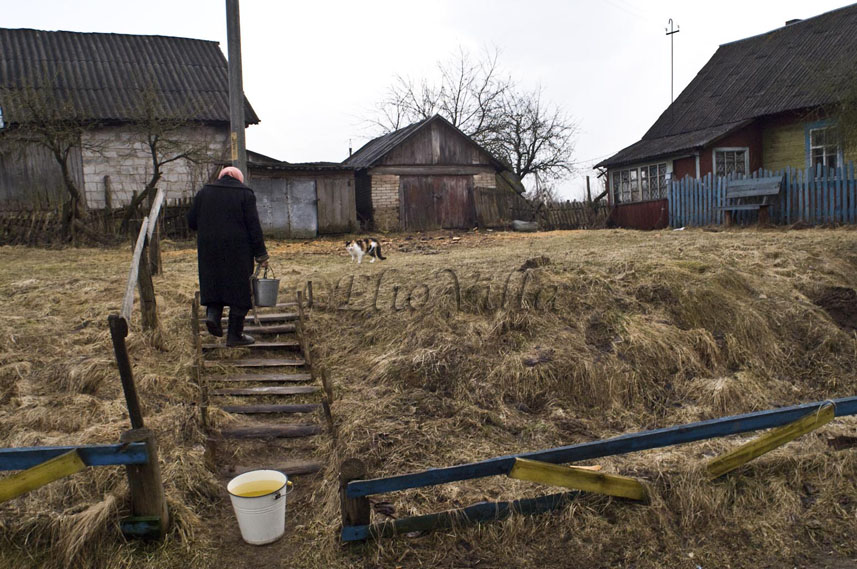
355, 491
819, 196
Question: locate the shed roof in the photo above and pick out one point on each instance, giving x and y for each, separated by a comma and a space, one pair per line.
102, 75
804, 65
374, 150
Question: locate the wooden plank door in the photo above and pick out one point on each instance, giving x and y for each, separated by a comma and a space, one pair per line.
434, 202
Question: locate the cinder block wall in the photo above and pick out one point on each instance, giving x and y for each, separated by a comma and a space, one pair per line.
385, 202
121, 153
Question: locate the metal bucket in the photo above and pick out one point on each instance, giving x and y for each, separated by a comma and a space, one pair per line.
264, 289
259, 500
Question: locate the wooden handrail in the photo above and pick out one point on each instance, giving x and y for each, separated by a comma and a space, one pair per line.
155, 212
128, 299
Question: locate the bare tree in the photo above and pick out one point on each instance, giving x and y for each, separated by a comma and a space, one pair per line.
37, 114
535, 138
475, 96
467, 93
164, 135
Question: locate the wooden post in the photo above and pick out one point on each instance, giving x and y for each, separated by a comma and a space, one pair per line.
764, 216
118, 333
108, 207
301, 335
148, 306
198, 364
727, 217
309, 294
355, 511
326, 402
144, 482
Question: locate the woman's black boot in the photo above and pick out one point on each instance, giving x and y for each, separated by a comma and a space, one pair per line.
235, 336
213, 314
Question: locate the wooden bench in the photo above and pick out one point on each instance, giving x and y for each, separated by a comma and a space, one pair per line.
751, 194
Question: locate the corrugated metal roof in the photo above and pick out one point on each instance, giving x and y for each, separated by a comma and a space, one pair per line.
102, 75
803, 65
669, 145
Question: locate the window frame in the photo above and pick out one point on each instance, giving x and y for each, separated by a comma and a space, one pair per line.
823, 126
629, 190
745, 149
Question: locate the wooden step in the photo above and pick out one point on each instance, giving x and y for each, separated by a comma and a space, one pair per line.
269, 329
284, 377
255, 362
252, 409
273, 390
271, 431
289, 467
280, 345
270, 317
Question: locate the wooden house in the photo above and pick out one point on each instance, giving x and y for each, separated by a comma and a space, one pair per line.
102, 80
767, 101
428, 175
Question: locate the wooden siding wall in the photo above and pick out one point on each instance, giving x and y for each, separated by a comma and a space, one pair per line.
436, 145
337, 210
783, 144
642, 215
30, 178
815, 197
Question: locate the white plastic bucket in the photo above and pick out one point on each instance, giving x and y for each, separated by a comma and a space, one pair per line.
262, 518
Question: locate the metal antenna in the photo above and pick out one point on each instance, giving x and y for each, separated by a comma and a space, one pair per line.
670, 32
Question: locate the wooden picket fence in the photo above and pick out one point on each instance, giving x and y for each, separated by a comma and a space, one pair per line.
820, 196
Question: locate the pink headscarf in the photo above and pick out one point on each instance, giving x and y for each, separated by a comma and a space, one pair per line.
232, 171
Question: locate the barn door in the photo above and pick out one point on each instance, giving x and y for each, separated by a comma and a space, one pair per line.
336, 206
455, 207
302, 208
434, 202
271, 203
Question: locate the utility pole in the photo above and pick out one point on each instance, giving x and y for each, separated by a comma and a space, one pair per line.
670, 33
236, 88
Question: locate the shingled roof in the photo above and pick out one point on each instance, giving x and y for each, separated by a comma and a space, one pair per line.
803, 65
102, 75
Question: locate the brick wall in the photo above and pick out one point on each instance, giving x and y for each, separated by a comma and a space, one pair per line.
385, 202
121, 153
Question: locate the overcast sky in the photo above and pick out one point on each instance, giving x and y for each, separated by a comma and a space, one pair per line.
313, 71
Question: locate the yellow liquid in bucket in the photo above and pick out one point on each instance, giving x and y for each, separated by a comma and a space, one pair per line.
257, 488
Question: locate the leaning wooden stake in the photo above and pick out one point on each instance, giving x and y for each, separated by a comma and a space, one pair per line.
578, 479
301, 333
39, 475
774, 438
148, 306
144, 480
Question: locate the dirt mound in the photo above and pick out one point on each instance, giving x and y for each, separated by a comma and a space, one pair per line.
840, 303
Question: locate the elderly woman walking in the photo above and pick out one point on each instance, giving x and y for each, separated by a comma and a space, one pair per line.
229, 238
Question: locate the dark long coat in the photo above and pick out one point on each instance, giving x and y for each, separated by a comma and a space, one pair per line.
229, 237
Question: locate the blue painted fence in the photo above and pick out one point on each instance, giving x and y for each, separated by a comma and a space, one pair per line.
93, 455
825, 195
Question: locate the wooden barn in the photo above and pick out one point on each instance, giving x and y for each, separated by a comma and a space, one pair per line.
303, 200
429, 175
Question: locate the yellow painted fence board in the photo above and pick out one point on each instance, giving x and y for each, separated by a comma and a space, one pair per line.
769, 441
579, 479
39, 475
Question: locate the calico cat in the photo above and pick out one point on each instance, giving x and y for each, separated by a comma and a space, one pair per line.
362, 247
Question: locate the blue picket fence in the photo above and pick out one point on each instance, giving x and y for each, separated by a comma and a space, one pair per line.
826, 195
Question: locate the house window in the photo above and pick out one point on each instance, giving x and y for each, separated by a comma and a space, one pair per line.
640, 183
731, 161
824, 147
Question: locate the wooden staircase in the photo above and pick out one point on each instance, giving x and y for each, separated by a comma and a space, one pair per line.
270, 387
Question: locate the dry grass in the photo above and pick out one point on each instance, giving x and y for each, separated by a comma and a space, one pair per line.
614, 332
